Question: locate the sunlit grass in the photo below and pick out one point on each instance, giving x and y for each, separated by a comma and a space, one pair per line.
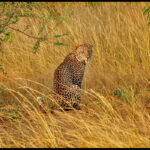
115, 91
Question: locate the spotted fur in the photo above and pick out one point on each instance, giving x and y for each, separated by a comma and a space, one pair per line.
69, 74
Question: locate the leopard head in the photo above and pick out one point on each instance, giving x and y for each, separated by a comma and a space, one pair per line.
83, 53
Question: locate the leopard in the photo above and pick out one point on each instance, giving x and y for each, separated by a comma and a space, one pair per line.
69, 74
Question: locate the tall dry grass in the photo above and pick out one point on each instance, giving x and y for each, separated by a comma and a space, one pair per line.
115, 96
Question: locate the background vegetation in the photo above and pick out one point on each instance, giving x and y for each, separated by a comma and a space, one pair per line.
35, 38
